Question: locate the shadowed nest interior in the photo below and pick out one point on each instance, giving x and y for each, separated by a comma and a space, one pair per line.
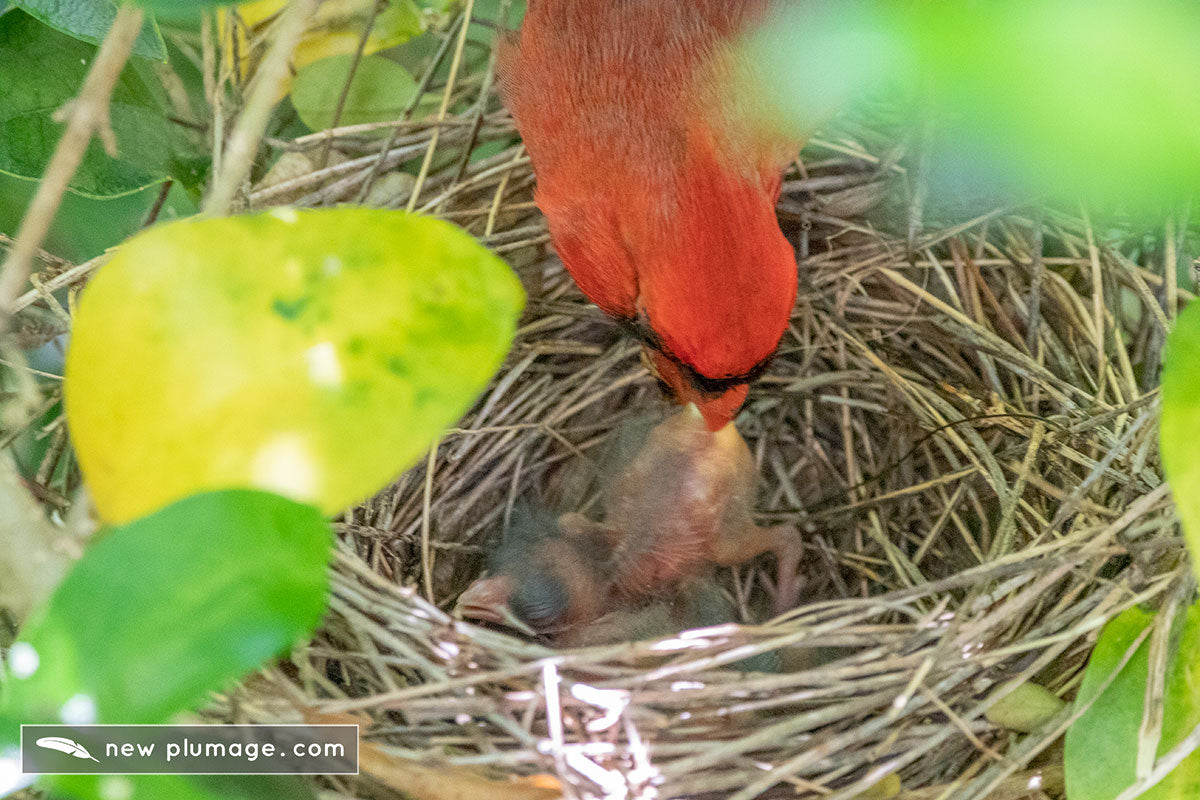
961, 420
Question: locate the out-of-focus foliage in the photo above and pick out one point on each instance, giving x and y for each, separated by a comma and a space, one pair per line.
221, 582
320, 369
1101, 751
1179, 429
1081, 97
184, 7
42, 71
87, 226
89, 20
814, 59
182, 787
379, 90
335, 29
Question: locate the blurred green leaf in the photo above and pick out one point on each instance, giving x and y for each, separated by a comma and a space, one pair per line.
335, 29
181, 787
379, 91
87, 226
1083, 97
185, 6
321, 373
89, 21
813, 59
185, 13
1101, 747
43, 70
163, 610
1065, 94
1179, 428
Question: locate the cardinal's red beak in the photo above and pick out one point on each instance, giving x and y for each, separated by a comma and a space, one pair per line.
718, 410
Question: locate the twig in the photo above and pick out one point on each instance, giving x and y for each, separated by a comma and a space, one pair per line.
418, 93
252, 123
34, 554
449, 91
340, 108
1164, 766
426, 550
73, 275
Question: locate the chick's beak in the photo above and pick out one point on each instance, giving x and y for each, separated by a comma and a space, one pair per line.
487, 600
718, 410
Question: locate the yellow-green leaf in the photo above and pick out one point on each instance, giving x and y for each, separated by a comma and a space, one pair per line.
311, 353
336, 28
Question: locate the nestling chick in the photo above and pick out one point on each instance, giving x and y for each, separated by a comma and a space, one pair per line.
546, 575
686, 502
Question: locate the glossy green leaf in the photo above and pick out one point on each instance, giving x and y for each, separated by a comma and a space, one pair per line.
1179, 428
1101, 747
89, 21
163, 610
379, 91
42, 71
313, 353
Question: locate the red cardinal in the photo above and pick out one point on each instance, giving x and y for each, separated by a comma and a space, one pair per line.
658, 185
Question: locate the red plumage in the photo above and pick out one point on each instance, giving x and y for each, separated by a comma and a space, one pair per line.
657, 183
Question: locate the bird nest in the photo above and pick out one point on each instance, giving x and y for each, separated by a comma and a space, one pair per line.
960, 420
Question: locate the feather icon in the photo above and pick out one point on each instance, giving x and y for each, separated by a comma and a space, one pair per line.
65, 745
